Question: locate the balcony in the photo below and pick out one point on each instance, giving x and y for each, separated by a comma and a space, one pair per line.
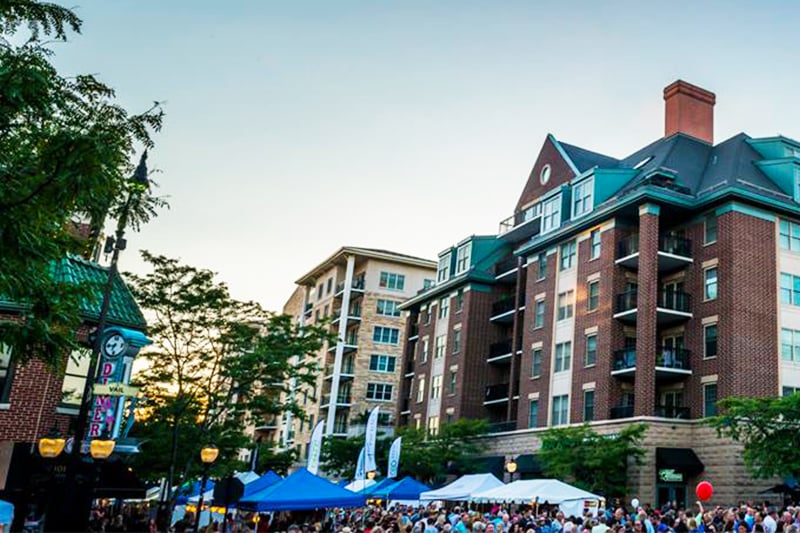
405, 407
505, 270
356, 289
500, 352
350, 344
671, 307
307, 311
520, 225
496, 394
674, 253
413, 333
503, 311
501, 427
269, 425
624, 362
672, 411
620, 411
409, 371
354, 314
672, 362
347, 371
343, 400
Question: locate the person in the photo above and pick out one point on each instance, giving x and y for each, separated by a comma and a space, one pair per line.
770, 520
601, 526
184, 524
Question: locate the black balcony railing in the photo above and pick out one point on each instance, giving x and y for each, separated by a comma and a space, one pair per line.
627, 301
628, 246
500, 427
502, 306
409, 367
677, 358
308, 308
675, 245
625, 359
675, 301
358, 284
496, 392
505, 265
672, 411
500, 348
621, 411
413, 331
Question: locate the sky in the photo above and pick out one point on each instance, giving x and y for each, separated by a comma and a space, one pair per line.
294, 128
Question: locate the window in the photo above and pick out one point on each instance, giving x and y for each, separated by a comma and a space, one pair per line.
565, 305
594, 244
383, 335
421, 390
563, 356
319, 291
536, 363
438, 350
790, 289
790, 345
591, 350
593, 295
710, 275
7, 373
75, 378
428, 283
710, 341
560, 410
436, 387
456, 340
329, 288
443, 270
388, 308
710, 234
426, 316
425, 349
567, 255
462, 258
451, 383
551, 214
542, 272
538, 314
789, 238
390, 280
381, 363
381, 392
459, 301
710, 399
582, 197
444, 307
533, 413
433, 425
588, 405
788, 391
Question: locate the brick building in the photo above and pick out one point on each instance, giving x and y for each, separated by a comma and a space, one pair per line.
359, 291
640, 288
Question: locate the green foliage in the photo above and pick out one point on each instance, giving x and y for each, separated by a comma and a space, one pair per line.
594, 462
768, 429
65, 153
217, 366
425, 457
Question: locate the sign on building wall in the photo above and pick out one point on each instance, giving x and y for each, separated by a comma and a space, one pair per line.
669, 475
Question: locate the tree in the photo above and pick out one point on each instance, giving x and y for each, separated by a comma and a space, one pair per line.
769, 429
65, 153
217, 366
424, 456
594, 462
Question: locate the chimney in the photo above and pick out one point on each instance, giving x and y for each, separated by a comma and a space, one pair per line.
690, 110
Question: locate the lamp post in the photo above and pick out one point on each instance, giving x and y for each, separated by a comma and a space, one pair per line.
371, 474
72, 517
52, 445
208, 455
511, 467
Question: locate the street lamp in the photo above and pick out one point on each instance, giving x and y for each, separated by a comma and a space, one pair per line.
101, 448
371, 474
208, 455
52, 445
511, 467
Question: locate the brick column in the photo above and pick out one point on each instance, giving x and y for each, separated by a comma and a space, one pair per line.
647, 301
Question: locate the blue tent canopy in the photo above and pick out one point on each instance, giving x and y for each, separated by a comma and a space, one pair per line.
267, 480
382, 484
407, 488
301, 491
6, 512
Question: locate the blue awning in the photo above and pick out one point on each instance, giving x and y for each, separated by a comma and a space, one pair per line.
301, 491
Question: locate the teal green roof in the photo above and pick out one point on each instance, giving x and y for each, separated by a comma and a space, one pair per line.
122, 310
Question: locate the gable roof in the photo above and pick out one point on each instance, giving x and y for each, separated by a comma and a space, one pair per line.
585, 159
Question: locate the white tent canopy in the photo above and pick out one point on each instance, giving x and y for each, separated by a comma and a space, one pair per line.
570, 499
244, 477
359, 485
463, 489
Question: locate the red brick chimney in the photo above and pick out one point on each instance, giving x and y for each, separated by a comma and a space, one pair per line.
690, 110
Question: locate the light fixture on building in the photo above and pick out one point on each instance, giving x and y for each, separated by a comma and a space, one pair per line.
511, 466
52, 445
102, 447
371, 474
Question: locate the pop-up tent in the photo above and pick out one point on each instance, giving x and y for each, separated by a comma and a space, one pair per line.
407, 489
301, 491
244, 477
360, 485
570, 499
382, 484
6, 514
190, 490
463, 488
266, 480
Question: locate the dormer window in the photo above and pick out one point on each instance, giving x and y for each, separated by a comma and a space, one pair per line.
443, 271
582, 197
551, 214
463, 258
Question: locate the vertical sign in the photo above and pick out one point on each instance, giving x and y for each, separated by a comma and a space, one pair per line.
314, 449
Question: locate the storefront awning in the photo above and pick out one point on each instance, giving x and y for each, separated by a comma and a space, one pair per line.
682, 460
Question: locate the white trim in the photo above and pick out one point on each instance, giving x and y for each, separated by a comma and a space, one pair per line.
533, 396
537, 345
593, 277
713, 378
710, 320
591, 330
7, 407
710, 263
589, 386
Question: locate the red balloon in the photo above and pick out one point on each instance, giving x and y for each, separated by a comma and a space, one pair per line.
704, 491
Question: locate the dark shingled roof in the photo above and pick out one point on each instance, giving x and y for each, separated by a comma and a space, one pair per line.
586, 159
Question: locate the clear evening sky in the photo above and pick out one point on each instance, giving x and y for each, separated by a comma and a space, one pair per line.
294, 128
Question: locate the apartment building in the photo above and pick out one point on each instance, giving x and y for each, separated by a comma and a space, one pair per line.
357, 291
643, 288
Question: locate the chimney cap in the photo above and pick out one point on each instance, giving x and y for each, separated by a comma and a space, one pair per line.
682, 87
